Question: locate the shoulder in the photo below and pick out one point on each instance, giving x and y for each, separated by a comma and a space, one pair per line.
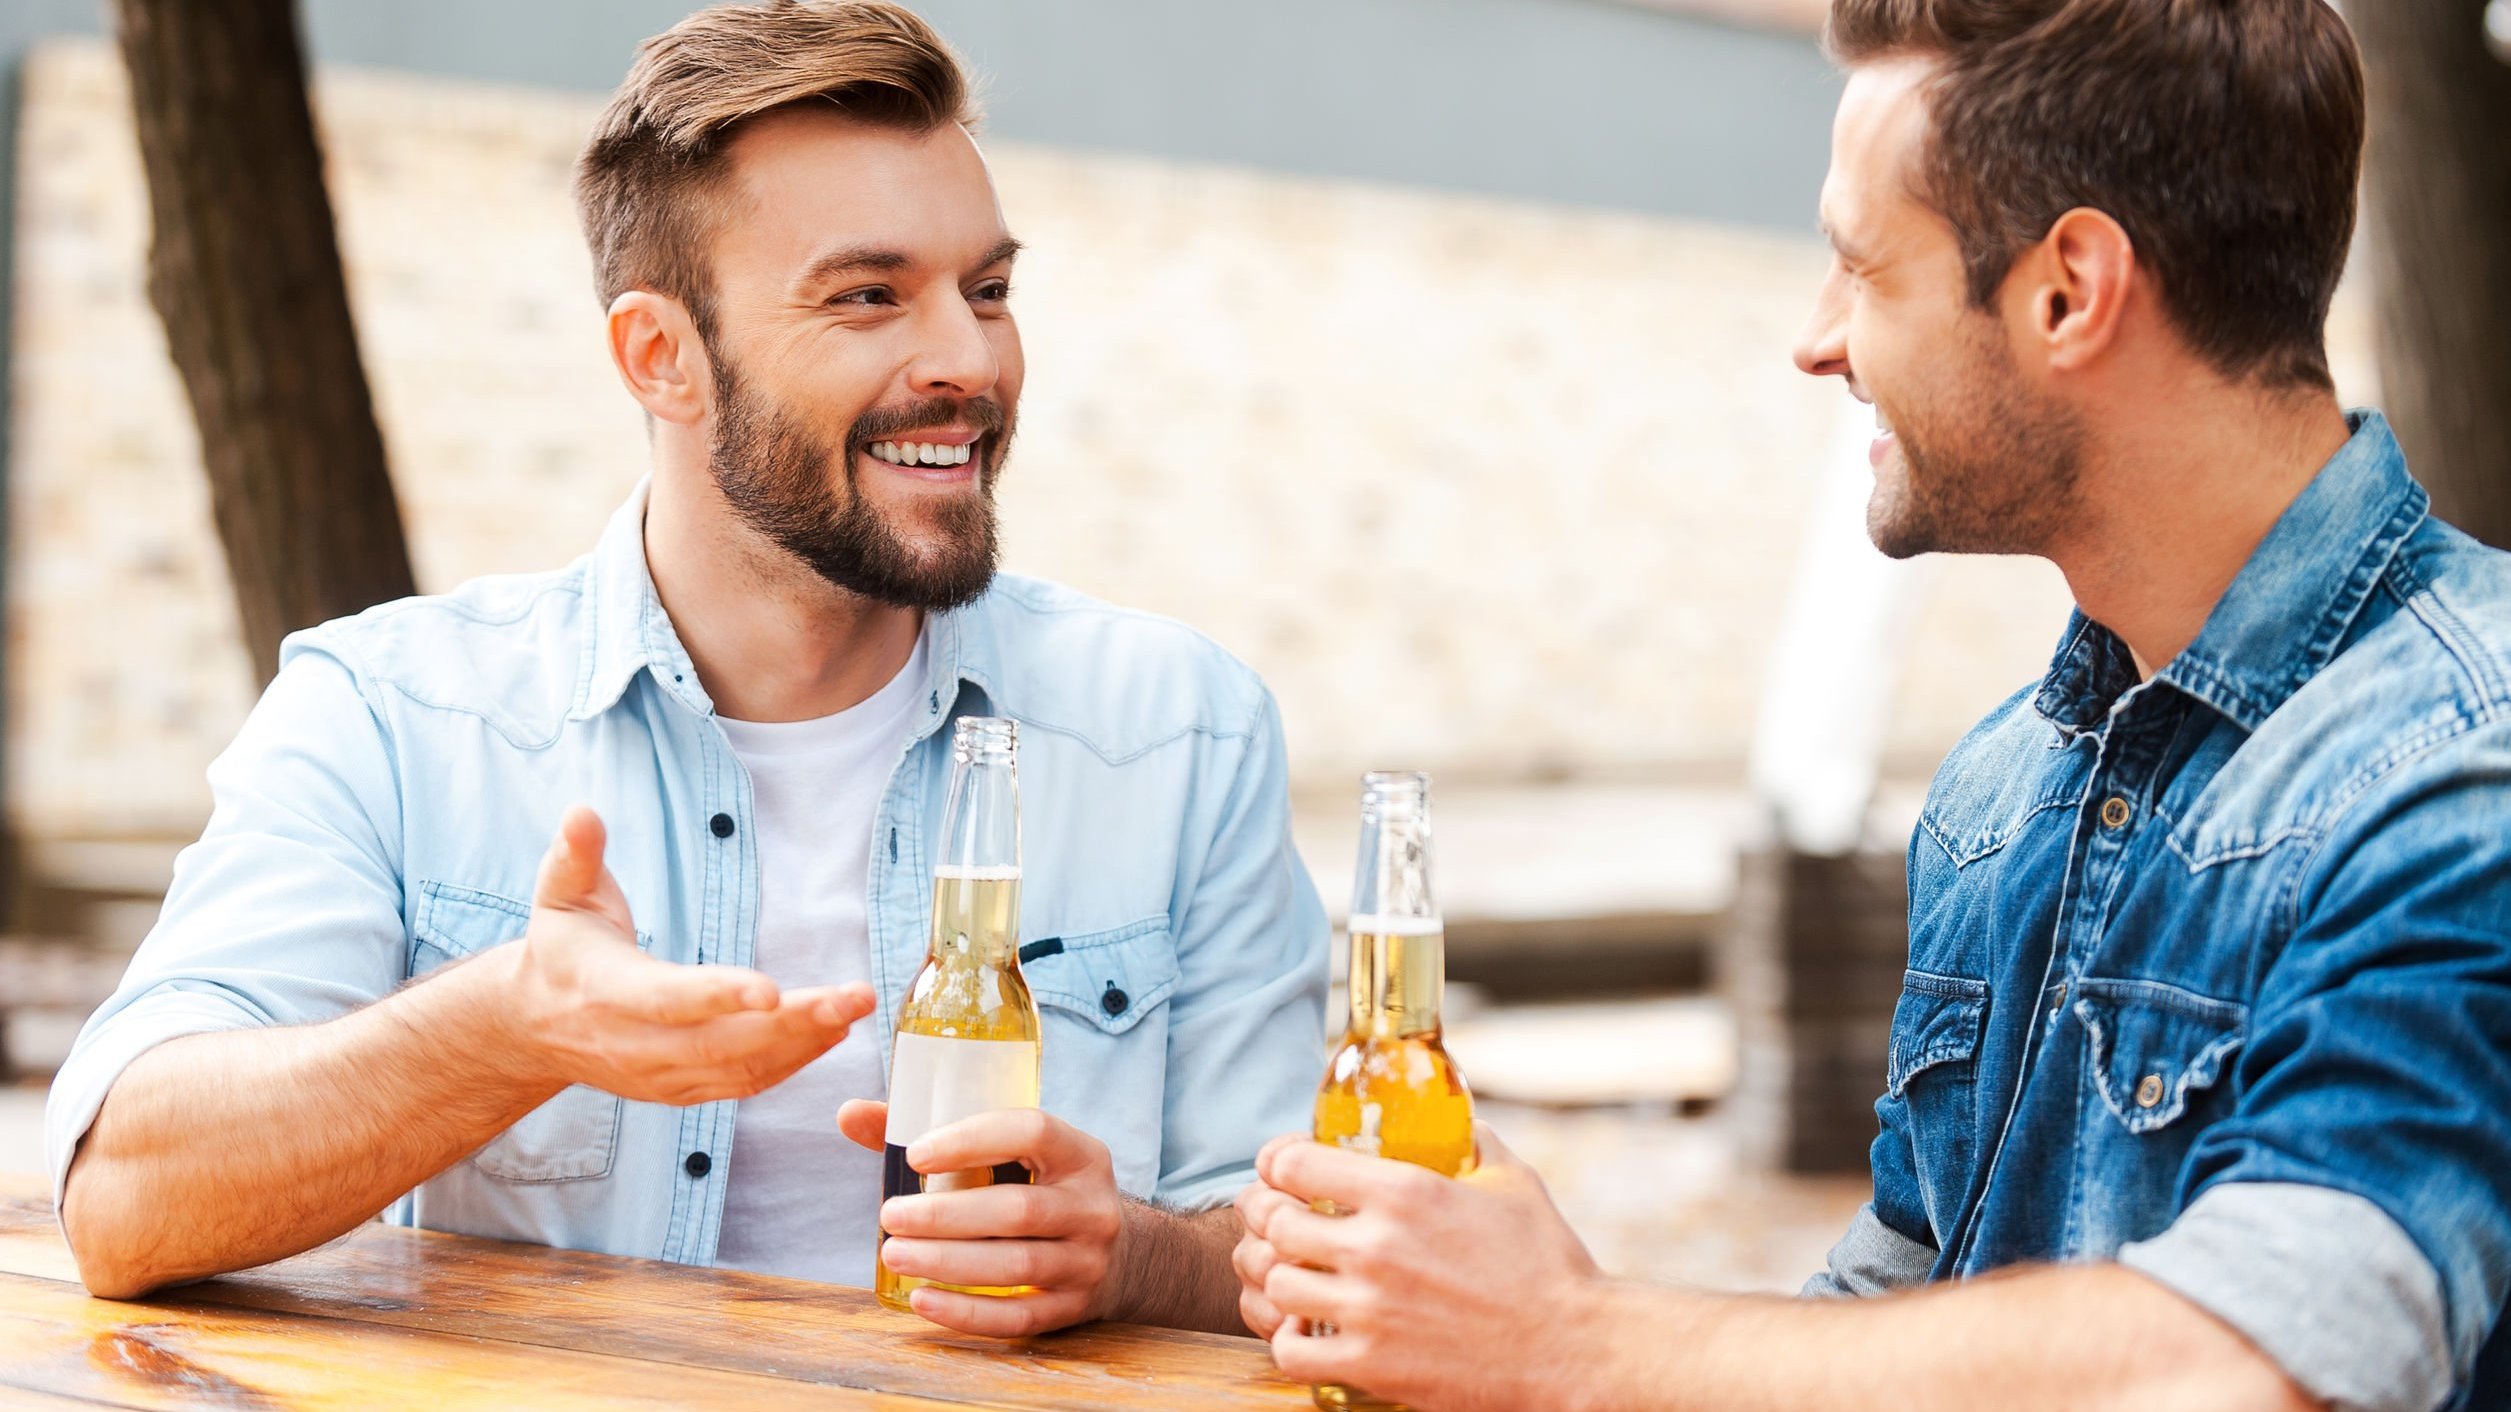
2006, 770
509, 649
1123, 681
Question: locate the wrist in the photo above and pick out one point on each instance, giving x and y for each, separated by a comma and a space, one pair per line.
1619, 1338
484, 1012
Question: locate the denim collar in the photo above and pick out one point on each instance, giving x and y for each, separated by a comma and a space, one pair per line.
630, 633
2287, 611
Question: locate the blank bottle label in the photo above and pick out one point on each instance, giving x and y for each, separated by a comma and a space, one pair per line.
935, 1082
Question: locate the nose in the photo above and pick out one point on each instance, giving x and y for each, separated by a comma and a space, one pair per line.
953, 357
1822, 346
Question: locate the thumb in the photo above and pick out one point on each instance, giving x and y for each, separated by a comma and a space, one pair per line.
1492, 1157
865, 1121
572, 869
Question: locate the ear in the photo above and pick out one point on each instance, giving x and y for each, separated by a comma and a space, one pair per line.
655, 346
2081, 276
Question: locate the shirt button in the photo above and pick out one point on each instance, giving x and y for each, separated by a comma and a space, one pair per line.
1114, 1001
2149, 1092
698, 1165
2114, 812
2058, 1001
721, 824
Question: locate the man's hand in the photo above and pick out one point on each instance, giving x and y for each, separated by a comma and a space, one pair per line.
1437, 1287
1060, 1236
592, 1009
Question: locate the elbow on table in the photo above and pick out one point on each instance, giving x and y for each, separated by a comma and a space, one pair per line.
108, 1248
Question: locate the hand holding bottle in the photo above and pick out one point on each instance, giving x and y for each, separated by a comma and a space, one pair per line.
588, 1007
1055, 1238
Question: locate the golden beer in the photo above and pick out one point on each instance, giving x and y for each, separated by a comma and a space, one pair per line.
1390, 1090
968, 1033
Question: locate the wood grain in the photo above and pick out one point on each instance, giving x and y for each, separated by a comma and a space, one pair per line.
55, 1340
550, 1302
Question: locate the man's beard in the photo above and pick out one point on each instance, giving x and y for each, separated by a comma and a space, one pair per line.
774, 474
1987, 468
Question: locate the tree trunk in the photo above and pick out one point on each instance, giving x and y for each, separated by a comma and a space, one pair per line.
245, 272
2439, 174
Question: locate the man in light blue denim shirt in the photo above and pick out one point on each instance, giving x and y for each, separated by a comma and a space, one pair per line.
378, 984
2198, 1091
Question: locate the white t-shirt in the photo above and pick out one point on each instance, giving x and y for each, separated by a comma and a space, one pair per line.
801, 1199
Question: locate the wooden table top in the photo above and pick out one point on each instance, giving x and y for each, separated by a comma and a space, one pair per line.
390, 1317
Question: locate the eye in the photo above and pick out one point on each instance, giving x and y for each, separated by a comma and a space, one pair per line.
875, 297
993, 291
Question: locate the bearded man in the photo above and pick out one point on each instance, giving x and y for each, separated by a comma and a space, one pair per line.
379, 986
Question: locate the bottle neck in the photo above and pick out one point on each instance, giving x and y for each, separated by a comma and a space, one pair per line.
1398, 975
976, 918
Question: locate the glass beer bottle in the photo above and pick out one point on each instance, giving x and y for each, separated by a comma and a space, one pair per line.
968, 1031
1390, 1090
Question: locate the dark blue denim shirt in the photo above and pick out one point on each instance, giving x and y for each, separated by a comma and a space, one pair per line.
2211, 973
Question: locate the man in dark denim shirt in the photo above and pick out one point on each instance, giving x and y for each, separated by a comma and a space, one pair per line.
2204, 1050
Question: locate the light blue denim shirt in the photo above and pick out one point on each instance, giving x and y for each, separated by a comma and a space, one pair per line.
385, 808
2210, 974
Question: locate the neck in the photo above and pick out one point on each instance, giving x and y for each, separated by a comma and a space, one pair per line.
2175, 497
771, 640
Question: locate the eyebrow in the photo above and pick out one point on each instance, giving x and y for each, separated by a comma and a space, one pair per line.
854, 259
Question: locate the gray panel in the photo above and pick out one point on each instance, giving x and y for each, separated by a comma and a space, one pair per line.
1560, 100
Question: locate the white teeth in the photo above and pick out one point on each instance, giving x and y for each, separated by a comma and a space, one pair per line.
920, 453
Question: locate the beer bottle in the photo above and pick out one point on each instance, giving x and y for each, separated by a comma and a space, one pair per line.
968, 1031
1390, 1090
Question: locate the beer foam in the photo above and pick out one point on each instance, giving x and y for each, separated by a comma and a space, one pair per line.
978, 872
1379, 924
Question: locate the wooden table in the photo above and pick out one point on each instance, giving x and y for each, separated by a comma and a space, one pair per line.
389, 1317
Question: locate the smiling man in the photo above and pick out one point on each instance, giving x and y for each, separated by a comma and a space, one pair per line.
2198, 1092
378, 985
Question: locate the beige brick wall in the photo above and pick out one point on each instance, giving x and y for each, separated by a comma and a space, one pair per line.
1503, 490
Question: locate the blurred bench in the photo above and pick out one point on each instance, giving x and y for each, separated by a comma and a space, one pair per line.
66, 976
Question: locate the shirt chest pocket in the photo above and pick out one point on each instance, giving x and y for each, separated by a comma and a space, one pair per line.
1109, 981
1932, 1076
2156, 1051
573, 1136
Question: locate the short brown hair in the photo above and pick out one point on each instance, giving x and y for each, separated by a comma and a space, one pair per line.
657, 152
2225, 137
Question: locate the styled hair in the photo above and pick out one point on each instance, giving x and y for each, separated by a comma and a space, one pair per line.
2224, 136
648, 183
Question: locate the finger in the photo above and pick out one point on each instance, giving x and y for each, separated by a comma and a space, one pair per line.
1252, 1259
1258, 1313
1047, 1145
834, 1004
662, 993
865, 1122
998, 1317
571, 872
1273, 1149
1305, 1237
1313, 1295
989, 1212
1305, 1358
996, 1264
1257, 1203
1354, 1181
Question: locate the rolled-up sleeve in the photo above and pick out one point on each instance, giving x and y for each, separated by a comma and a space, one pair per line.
1871, 1258
2352, 1216
288, 910
1247, 1034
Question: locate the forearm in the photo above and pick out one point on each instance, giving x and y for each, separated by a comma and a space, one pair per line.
215, 1152
2087, 1337
1172, 1268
